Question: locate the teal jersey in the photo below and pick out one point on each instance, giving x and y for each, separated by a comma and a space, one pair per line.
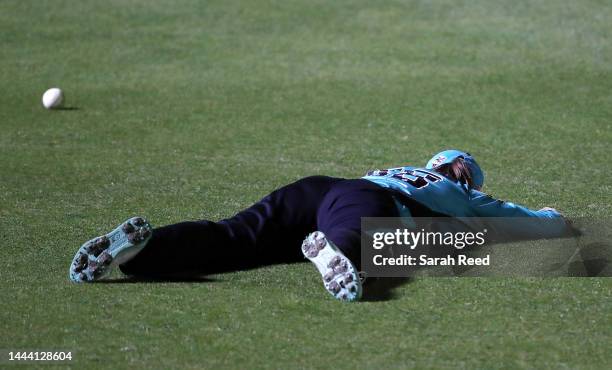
444, 196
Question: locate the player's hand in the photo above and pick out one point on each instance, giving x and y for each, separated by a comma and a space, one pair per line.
571, 229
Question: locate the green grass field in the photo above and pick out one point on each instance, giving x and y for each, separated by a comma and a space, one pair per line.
194, 109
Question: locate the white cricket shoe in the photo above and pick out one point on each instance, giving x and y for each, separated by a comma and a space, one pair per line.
97, 257
340, 277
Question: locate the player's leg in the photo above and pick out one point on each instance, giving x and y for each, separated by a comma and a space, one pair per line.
261, 234
335, 248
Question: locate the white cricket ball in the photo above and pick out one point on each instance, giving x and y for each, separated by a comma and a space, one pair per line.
52, 98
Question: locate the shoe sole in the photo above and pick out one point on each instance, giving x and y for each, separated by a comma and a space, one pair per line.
97, 257
340, 276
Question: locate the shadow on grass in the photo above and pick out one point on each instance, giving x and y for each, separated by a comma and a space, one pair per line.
594, 262
596, 259
66, 108
160, 279
382, 289
375, 289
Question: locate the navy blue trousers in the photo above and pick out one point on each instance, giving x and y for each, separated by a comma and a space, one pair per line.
271, 231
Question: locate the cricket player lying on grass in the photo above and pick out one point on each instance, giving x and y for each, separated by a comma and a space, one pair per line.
325, 210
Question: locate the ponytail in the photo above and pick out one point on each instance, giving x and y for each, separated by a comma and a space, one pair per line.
457, 171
